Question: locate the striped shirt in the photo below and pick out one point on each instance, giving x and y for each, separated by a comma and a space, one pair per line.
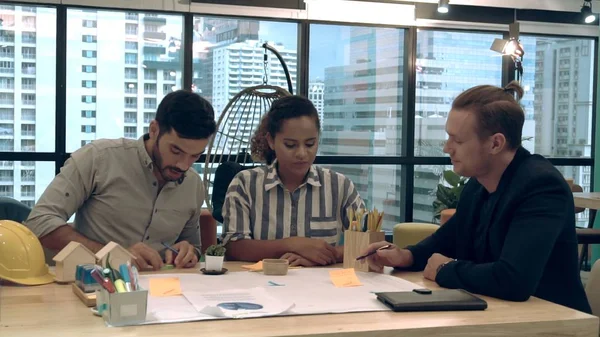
258, 206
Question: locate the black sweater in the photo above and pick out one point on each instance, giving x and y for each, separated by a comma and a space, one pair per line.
522, 242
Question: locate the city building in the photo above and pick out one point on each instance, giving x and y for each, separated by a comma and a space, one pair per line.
133, 58
362, 112
26, 100
362, 108
562, 102
316, 94
119, 66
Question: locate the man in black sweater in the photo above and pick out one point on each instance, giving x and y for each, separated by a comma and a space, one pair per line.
513, 234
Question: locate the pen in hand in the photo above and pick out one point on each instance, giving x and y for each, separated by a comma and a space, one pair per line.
170, 248
373, 252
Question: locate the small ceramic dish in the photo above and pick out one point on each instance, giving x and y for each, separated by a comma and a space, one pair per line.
213, 272
275, 266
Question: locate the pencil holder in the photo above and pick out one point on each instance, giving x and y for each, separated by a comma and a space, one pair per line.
120, 309
355, 244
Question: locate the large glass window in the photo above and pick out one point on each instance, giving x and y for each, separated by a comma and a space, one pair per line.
228, 56
355, 82
427, 178
27, 97
121, 64
559, 80
25, 180
582, 176
29, 94
379, 187
118, 53
448, 63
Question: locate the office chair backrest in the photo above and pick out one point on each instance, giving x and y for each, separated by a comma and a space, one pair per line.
11, 209
223, 177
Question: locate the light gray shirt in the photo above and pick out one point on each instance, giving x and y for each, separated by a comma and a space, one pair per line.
258, 206
110, 185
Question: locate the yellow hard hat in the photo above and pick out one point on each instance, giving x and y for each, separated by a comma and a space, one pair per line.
22, 258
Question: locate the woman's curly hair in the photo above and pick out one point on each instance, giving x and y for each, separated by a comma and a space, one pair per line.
282, 109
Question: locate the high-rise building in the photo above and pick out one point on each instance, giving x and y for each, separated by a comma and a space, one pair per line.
362, 113
447, 64
210, 33
26, 99
562, 102
121, 65
316, 91
240, 65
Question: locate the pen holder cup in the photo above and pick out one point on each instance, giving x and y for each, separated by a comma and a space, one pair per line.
120, 309
356, 244
275, 266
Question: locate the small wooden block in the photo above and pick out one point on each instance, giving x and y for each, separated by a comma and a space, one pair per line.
89, 299
355, 244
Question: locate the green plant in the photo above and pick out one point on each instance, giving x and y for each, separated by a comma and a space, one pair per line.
447, 196
215, 250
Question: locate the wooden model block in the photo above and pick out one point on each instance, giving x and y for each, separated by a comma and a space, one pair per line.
118, 255
68, 258
355, 244
87, 299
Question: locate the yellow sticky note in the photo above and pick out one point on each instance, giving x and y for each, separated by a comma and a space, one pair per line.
162, 287
258, 266
344, 278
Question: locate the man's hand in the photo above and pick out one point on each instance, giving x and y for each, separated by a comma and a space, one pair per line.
315, 250
186, 258
146, 257
391, 257
434, 262
297, 260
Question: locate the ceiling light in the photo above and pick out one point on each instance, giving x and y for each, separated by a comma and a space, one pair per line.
512, 47
443, 6
586, 12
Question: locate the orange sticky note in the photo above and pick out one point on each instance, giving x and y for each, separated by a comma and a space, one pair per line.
344, 278
162, 287
258, 266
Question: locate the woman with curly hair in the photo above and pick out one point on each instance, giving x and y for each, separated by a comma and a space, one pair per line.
289, 208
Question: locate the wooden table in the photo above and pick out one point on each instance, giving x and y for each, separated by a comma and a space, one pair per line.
591, 201
53, 310
587, 200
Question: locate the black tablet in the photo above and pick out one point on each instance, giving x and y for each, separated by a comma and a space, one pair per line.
428, 300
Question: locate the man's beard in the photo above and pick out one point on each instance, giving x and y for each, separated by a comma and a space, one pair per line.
158, 163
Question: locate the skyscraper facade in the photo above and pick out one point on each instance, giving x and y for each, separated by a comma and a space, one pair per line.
27, 97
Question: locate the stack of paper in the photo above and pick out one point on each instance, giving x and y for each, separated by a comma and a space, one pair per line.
238, 303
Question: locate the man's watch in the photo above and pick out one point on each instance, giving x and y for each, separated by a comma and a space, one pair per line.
443, 264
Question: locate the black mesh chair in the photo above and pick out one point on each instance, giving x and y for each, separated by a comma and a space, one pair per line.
223, 177
11, 209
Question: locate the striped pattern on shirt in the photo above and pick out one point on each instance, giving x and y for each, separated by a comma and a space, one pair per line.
258, 206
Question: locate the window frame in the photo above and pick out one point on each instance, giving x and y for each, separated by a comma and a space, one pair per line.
407, 159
